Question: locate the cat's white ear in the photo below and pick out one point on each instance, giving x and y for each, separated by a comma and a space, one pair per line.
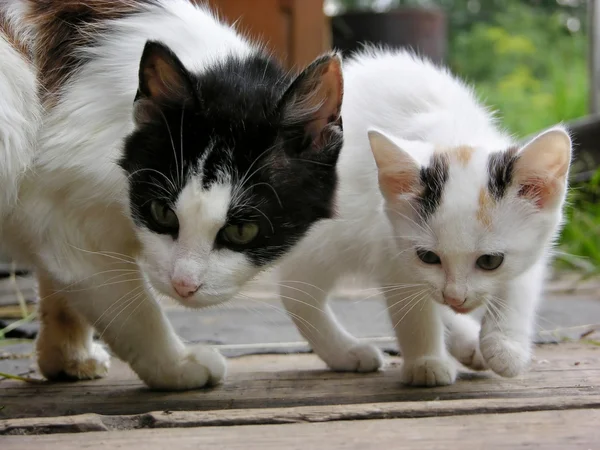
314, 99
542, 167
399, 172
163, 79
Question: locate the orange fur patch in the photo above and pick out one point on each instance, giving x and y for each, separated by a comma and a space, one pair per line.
10, 34
461, 154
485, 205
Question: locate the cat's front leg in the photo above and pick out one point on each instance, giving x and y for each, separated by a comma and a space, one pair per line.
420, 332
65, 345
132, 323
304, 291
508, 325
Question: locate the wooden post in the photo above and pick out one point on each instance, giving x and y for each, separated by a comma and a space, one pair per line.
295, 30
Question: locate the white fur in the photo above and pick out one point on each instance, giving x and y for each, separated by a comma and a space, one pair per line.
72, 216
422, 108
19, 119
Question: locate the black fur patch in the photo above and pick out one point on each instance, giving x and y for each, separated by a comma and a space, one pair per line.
433, 179
500, 171
234, 127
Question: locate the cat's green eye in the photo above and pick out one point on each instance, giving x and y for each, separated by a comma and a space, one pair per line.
163, 216
428, 257
240, 234
490, 262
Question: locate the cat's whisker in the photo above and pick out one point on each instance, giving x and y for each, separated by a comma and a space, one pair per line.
140, 302
103, 285
301, 319
181, 176
264, 183
100, 254
135, 293
147, 169
178, 181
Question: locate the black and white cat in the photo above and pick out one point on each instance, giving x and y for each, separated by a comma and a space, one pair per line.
170, 150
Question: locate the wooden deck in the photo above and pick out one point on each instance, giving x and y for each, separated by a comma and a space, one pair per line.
292, 401
279, 396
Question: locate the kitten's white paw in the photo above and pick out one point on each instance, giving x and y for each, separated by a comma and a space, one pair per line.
77, 364
359, 358
428, 371
505, 356
466, 350
197, 367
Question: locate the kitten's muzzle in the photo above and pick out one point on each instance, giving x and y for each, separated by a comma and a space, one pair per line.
456, 304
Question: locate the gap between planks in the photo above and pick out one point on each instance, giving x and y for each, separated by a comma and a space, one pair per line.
303, 414
548, 430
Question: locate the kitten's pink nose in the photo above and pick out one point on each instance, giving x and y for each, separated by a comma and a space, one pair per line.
456, 302
185, 288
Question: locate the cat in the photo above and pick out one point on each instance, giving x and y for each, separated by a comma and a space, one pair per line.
170, 157
442, 208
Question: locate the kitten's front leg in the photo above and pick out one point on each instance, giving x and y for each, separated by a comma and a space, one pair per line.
507, 327
132, 323
420, 333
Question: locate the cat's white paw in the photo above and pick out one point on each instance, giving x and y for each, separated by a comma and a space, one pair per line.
197, 367
76, 364
358, 358
505, 356
428, 371
466, 351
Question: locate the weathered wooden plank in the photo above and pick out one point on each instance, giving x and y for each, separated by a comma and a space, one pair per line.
271, 416
300, 380
562, 430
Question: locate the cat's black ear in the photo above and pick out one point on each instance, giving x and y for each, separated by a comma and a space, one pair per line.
162, 80
314, 99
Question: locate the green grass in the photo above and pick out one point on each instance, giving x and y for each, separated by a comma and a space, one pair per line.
580, 240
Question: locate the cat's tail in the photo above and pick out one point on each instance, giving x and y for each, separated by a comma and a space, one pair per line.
20, 115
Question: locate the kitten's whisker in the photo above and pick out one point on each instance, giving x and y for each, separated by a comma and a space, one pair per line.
411, 308
410, 300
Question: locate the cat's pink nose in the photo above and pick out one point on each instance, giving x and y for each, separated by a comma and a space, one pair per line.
185, 288
456, 302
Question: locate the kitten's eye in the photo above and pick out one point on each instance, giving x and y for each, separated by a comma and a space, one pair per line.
240, 234
490, 262
428, 257
164, 216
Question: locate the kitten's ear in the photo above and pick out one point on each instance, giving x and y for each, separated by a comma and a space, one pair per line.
314, 99
399, 172
542, 168
162, 80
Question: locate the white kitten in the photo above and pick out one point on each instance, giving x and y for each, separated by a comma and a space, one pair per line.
467, 219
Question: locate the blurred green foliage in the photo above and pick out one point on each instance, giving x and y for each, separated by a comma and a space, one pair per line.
527, 58
526, 63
